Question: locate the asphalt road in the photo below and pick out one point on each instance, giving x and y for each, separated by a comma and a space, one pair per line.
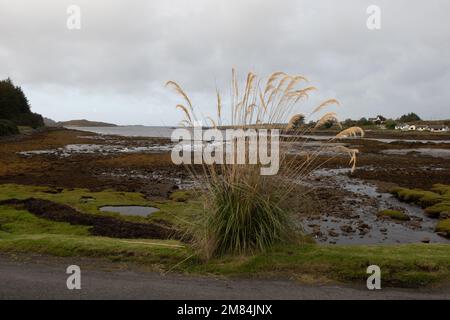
44, 279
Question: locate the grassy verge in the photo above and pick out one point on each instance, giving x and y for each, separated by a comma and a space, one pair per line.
21, 231
401, 265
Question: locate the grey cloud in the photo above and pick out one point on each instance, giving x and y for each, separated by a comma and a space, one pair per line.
114, 68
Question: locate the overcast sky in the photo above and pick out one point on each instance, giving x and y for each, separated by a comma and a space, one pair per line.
114, 68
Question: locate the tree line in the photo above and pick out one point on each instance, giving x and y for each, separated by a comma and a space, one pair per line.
15, 109
299, 121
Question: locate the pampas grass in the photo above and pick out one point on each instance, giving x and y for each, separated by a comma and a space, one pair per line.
243, 209
350, 132
295, 118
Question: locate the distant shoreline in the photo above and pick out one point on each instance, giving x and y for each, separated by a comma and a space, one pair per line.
84, 123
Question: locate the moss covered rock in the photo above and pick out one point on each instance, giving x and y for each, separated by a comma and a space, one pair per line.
180, 196
393, 214
418, 196
438, 209
436, 203
443, 226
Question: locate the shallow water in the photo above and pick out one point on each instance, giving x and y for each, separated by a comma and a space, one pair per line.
130, 210
165, 132
382, 230
436, 153
317, 137
130, 131
71, 149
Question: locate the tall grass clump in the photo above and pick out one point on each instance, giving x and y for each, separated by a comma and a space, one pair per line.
245, 211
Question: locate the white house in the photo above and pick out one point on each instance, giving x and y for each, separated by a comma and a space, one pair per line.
402, 126
423, 127
378, 120
412, 127
439, 128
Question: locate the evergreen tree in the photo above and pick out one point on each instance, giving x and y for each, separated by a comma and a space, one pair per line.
14, 106
410, 117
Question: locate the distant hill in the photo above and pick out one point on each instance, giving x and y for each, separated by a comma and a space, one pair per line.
51, 123
85, 123
14, 106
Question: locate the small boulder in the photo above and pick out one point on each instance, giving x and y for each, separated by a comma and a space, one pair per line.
347, 228
426, 240
444, 215
333, 233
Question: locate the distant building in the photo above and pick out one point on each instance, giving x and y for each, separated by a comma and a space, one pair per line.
422, 128
439, 128
402, 126
378, 120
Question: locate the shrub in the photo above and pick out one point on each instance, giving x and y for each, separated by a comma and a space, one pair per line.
7, 128
409, 117
390, 124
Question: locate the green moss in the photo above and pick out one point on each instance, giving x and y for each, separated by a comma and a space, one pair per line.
442, 189
180, 196
444, 227
418, 196
438, 208
90, 202
21, 231
433, 202
436, 203
394, 214
153, 253
13, 221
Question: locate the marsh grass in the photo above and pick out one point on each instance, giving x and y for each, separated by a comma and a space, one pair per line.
243, 210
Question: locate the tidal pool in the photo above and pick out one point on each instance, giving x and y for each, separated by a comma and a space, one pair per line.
364, 202
131, 210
